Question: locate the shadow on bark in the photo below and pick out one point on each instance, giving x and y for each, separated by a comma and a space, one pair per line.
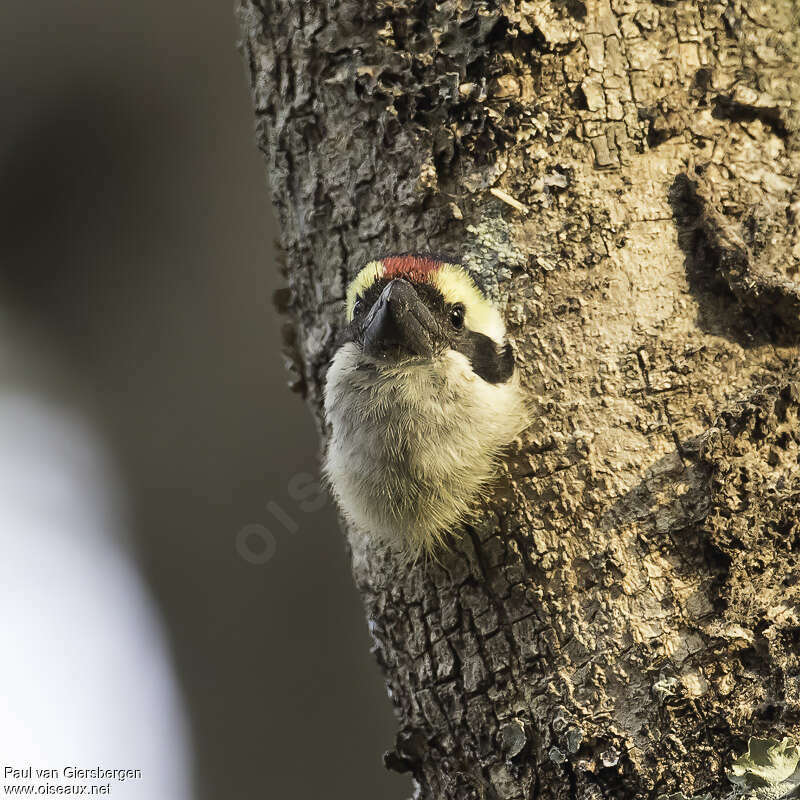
737, 300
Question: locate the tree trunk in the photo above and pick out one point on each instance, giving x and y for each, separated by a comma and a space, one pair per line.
624, 177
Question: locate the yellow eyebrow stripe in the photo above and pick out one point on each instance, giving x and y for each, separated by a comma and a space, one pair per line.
481, 316
456, 286
368, 275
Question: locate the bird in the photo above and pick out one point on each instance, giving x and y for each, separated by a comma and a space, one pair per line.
421, 398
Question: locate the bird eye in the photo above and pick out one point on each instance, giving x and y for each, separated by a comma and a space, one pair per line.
457, 316
358, 307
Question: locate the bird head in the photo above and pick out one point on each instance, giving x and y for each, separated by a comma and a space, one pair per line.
414, 307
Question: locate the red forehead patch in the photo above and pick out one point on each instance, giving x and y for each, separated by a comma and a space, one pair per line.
415, 267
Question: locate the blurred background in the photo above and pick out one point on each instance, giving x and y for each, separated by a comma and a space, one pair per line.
172, 597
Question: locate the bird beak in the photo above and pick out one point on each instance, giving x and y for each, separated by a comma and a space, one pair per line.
399, 321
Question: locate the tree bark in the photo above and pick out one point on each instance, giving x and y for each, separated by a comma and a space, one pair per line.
624, 176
